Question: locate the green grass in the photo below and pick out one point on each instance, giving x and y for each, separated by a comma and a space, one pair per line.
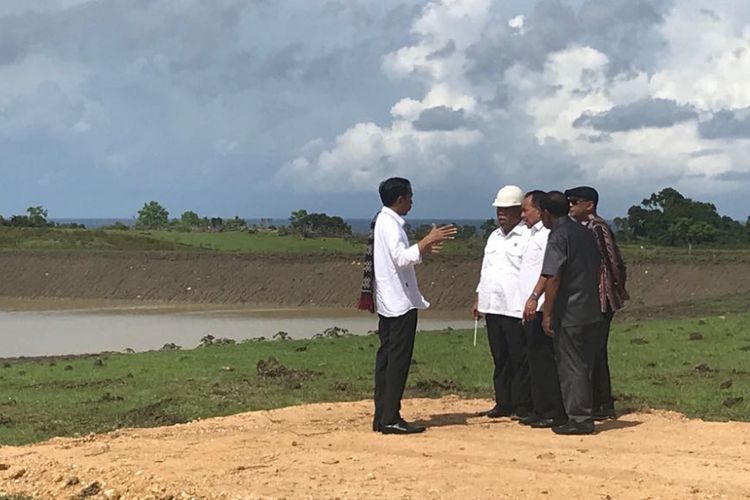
268, 242
653, 364
261, 242
80, 239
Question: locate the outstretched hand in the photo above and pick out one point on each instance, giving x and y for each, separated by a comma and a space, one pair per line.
433, 241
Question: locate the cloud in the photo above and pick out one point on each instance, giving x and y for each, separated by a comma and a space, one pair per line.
727, 125
440, 118
330, 96
649, 112
620, 92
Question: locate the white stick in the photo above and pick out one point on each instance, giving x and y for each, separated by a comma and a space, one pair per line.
476, 322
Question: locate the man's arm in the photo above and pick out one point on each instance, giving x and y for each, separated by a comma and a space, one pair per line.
403, 255
555, 258
550, 293
532, 302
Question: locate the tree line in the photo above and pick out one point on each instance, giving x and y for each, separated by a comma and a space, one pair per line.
666, 218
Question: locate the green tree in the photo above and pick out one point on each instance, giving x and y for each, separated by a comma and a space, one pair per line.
190, 219
37, 216
152, 216
236, 224
670, 218
318, 224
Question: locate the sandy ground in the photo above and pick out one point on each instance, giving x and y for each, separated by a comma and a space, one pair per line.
330, 451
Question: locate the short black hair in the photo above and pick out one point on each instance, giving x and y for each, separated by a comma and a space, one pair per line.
556, 203
584, 193
391, 189
536, 198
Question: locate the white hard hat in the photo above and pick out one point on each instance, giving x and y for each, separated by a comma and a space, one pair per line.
509, 196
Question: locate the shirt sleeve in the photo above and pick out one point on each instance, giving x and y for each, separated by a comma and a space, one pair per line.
485, 264
402, 254
555, 255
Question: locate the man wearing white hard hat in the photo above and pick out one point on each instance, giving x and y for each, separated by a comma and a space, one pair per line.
499, 299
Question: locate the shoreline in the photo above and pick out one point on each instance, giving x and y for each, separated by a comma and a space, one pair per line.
157, 308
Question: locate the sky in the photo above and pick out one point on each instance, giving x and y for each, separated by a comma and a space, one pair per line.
261, 107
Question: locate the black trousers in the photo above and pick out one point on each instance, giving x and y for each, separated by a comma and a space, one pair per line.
576, 349
602, 380
392, 365
511, 375
545, 385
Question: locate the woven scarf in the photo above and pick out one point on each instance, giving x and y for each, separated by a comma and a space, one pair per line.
612, 273
366, 302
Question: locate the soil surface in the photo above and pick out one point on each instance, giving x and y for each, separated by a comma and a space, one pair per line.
173, 278
330, 451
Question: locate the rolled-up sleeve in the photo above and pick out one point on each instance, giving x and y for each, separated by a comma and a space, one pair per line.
555, 256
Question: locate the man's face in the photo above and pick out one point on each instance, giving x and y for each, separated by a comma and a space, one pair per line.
529, 213
508, 217
404, 203
580, 209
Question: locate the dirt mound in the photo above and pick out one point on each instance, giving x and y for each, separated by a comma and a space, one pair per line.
329, 450
295, 281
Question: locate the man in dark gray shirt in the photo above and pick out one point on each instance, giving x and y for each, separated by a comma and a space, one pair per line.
572, 312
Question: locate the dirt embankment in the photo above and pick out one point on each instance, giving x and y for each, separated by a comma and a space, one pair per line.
295, 281
330, 451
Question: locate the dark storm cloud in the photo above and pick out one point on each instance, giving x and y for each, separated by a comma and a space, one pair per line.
727, 125
440, 118
656, 113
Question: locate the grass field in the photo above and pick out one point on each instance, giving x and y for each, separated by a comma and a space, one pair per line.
272, 243
654, 363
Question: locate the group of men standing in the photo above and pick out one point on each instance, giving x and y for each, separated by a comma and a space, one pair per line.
552, 278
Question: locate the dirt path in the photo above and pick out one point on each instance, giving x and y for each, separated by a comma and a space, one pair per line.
329, 450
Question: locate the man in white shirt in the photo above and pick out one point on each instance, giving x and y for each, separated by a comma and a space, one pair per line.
499, 299
548, 410
397, 299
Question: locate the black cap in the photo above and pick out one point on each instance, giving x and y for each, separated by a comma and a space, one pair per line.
585, 193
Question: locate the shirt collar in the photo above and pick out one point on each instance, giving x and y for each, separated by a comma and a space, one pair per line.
518, 229
537, 227
392, 213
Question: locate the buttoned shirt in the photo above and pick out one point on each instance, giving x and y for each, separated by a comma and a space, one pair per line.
531, 262
573, 256
498, 290
396, 291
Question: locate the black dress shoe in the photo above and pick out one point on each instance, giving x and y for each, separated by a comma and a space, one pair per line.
498, 412
546, 423
519, 413
529, 419
572, 428
604, 413
376, 427
402, 427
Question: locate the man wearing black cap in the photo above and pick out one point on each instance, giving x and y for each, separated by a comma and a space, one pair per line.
571, 314
583, 202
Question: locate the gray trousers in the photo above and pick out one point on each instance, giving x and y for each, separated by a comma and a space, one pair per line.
576, 350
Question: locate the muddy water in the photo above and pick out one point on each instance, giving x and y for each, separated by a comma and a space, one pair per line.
35, 333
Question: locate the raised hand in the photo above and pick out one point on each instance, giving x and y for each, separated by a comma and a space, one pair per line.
436, 237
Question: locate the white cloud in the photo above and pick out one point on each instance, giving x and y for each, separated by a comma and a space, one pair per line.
702, 66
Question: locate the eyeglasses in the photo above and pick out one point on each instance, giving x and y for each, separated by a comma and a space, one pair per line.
574, 202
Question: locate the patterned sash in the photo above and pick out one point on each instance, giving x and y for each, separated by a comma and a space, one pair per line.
366, 302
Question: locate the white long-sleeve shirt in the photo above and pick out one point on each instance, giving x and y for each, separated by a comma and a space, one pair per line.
531, 263
498, 290
396, 290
